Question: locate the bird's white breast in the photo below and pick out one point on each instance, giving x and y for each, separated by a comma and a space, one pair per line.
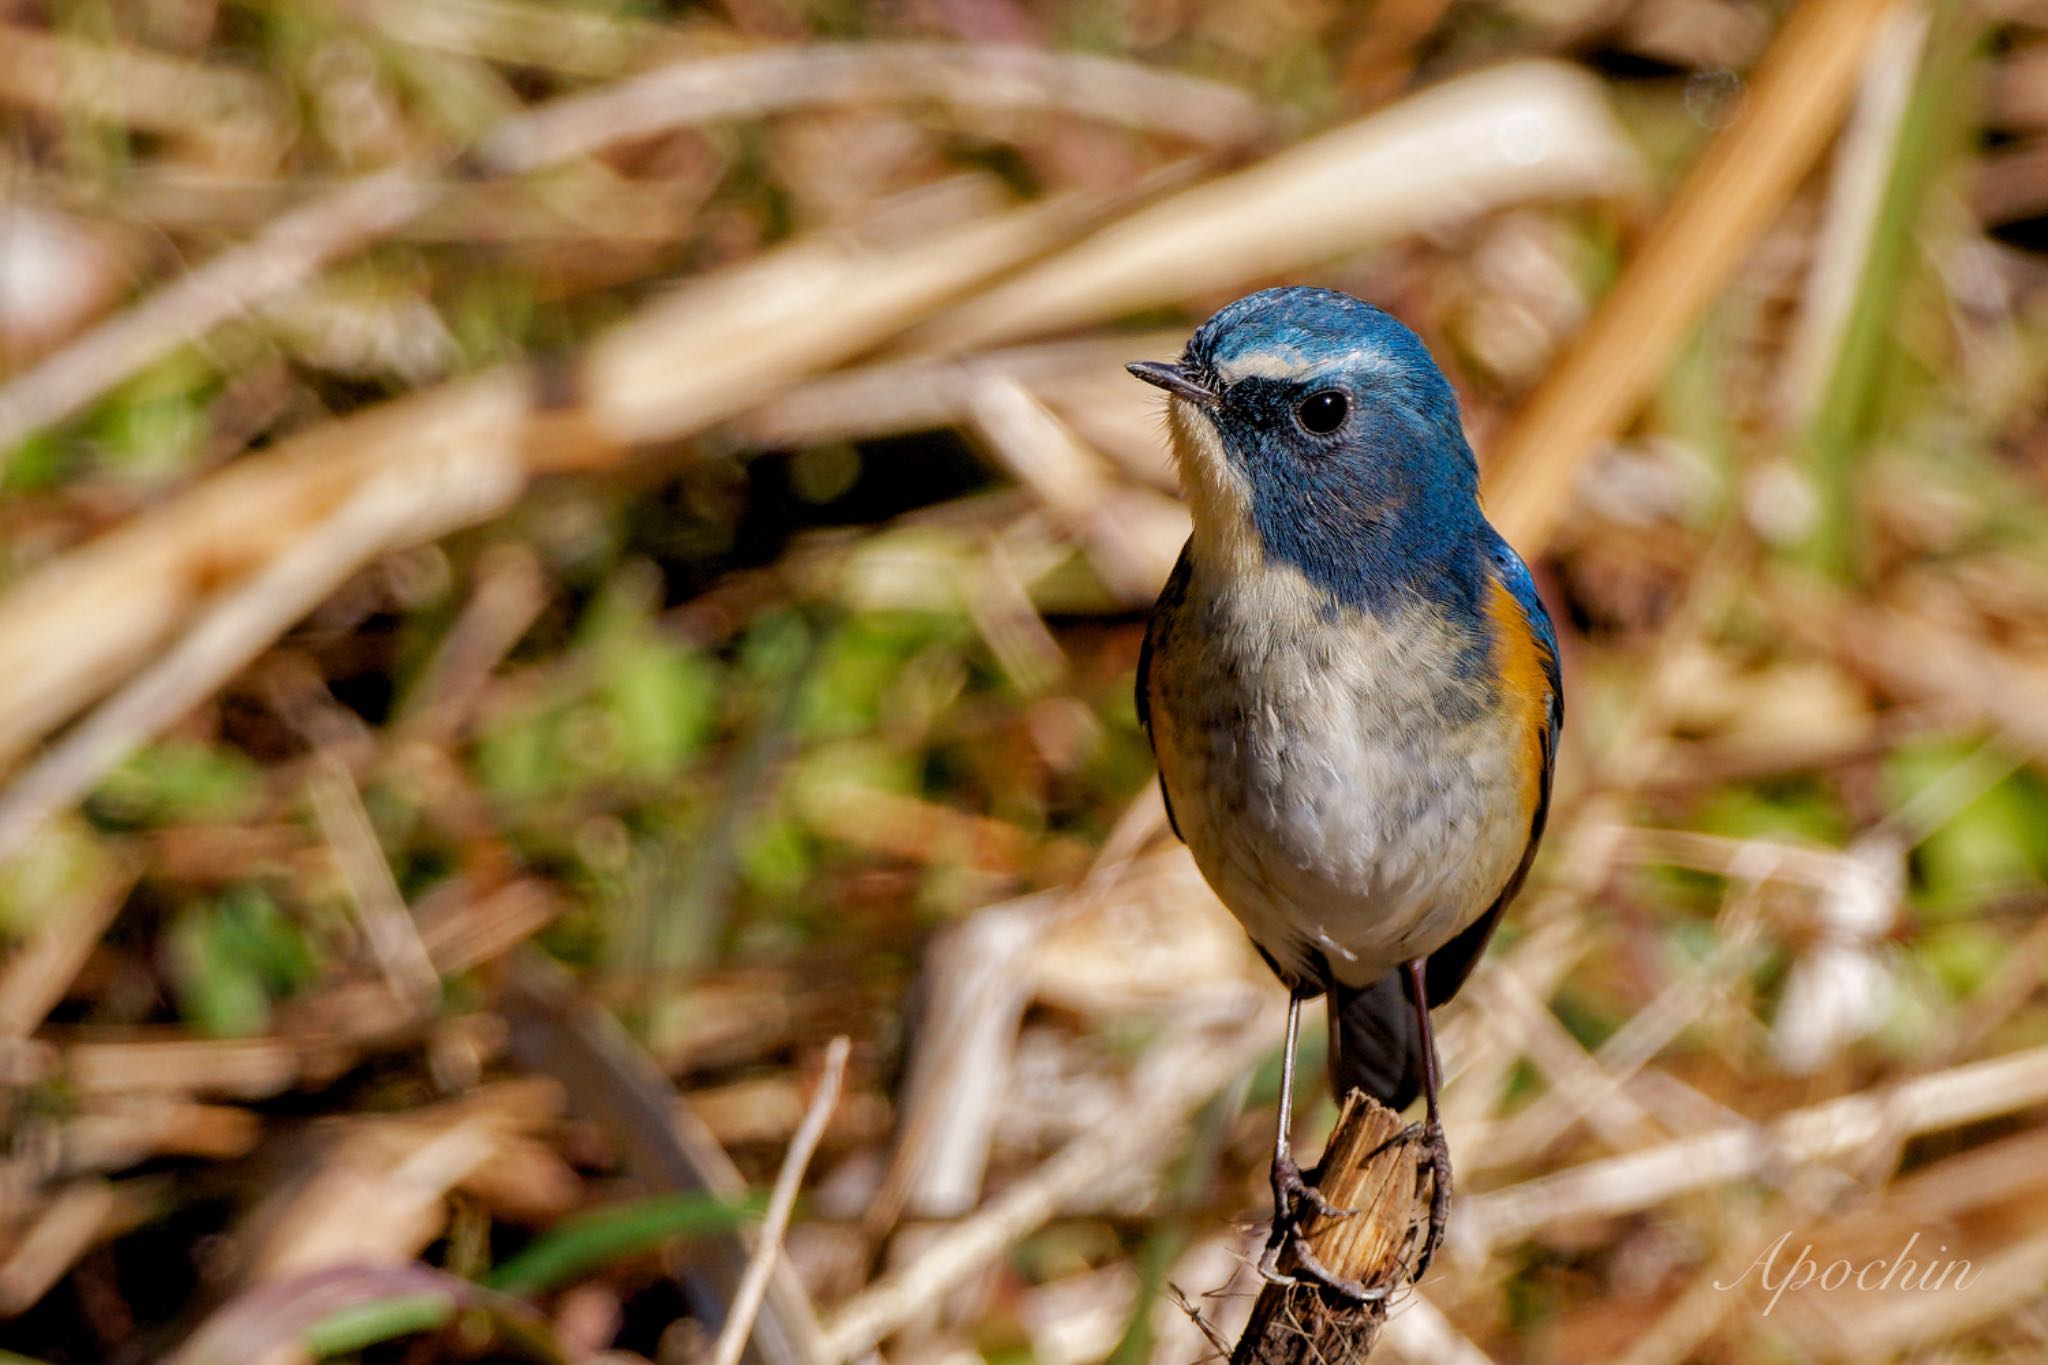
1346, 779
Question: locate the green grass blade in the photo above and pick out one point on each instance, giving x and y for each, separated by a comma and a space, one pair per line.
605, 1235
365, 1324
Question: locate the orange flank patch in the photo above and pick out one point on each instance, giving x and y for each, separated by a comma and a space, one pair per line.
1524, 686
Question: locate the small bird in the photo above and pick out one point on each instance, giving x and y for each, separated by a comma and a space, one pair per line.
1352, 691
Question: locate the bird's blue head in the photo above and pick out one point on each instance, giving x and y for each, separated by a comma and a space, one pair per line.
1315, 430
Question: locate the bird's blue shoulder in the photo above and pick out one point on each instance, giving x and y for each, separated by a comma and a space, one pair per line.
1513, 574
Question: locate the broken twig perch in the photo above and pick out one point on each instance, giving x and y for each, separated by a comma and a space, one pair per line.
1368, 1167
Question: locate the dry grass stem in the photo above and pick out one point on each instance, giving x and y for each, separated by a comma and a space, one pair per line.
752, 84
386, 512
124, 85
1172, 1083
1418, 1330
56, 1237
960, 1065
1792, 106
523, 33
1636, 1180
1518, 133
402, 1166
923, 393
609, 1079
446, 459
236, 282
37, 974
388, 927
732, 1338
1131, 535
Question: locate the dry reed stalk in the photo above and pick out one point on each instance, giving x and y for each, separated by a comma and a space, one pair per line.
147, 1061
348, 217
1914, 655
1596, 807
54, 1239
471, 473
1421, 1331
1479, 1059
1369, 1168
973, 1004
1641, 1179
387, 924
1155, 937
1518, 133
1694, 1314
1131, 535
559, 1032
723, 343
453, 458
1596, 1097
527, 1180
136, 88
921, 393
1136, 935
38, 973
862, 816
1989, 1288
403, 1166
1510, 1142
109, 1134
113, 601
509, 594
1977, 1207
470, 930
26, 1061
990, 76
268, 1323
767, 1110
237, 281
746, 1303
1794, 102
999, 603
547, 36
639, 221
1178, 1078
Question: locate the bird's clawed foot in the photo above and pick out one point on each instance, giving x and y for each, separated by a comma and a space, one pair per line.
1435, 1161
1291, 1190
1293, 1197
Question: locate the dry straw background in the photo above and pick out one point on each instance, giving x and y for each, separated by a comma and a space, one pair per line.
569, 580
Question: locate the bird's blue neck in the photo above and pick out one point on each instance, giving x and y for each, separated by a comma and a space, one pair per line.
1371, 532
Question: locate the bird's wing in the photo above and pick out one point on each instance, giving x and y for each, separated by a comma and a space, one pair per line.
1452, 963
1169, 597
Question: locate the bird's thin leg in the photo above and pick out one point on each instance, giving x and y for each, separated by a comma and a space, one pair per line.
1292, 1192
1289, 1187
1436, 1152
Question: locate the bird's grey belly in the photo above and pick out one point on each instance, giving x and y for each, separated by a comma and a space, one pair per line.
1355, 803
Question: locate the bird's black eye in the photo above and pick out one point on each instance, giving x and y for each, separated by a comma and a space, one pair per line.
1322, 413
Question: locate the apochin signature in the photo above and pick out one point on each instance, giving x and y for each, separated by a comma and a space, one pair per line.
1900, 1272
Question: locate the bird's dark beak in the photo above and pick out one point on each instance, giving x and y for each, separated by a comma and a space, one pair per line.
1174, 380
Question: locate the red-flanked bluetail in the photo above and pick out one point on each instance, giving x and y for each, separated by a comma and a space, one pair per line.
1351, 687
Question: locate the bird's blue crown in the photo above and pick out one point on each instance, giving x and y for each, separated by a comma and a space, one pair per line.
1347, 437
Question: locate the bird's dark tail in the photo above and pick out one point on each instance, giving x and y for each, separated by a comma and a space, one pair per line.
1374, 1043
